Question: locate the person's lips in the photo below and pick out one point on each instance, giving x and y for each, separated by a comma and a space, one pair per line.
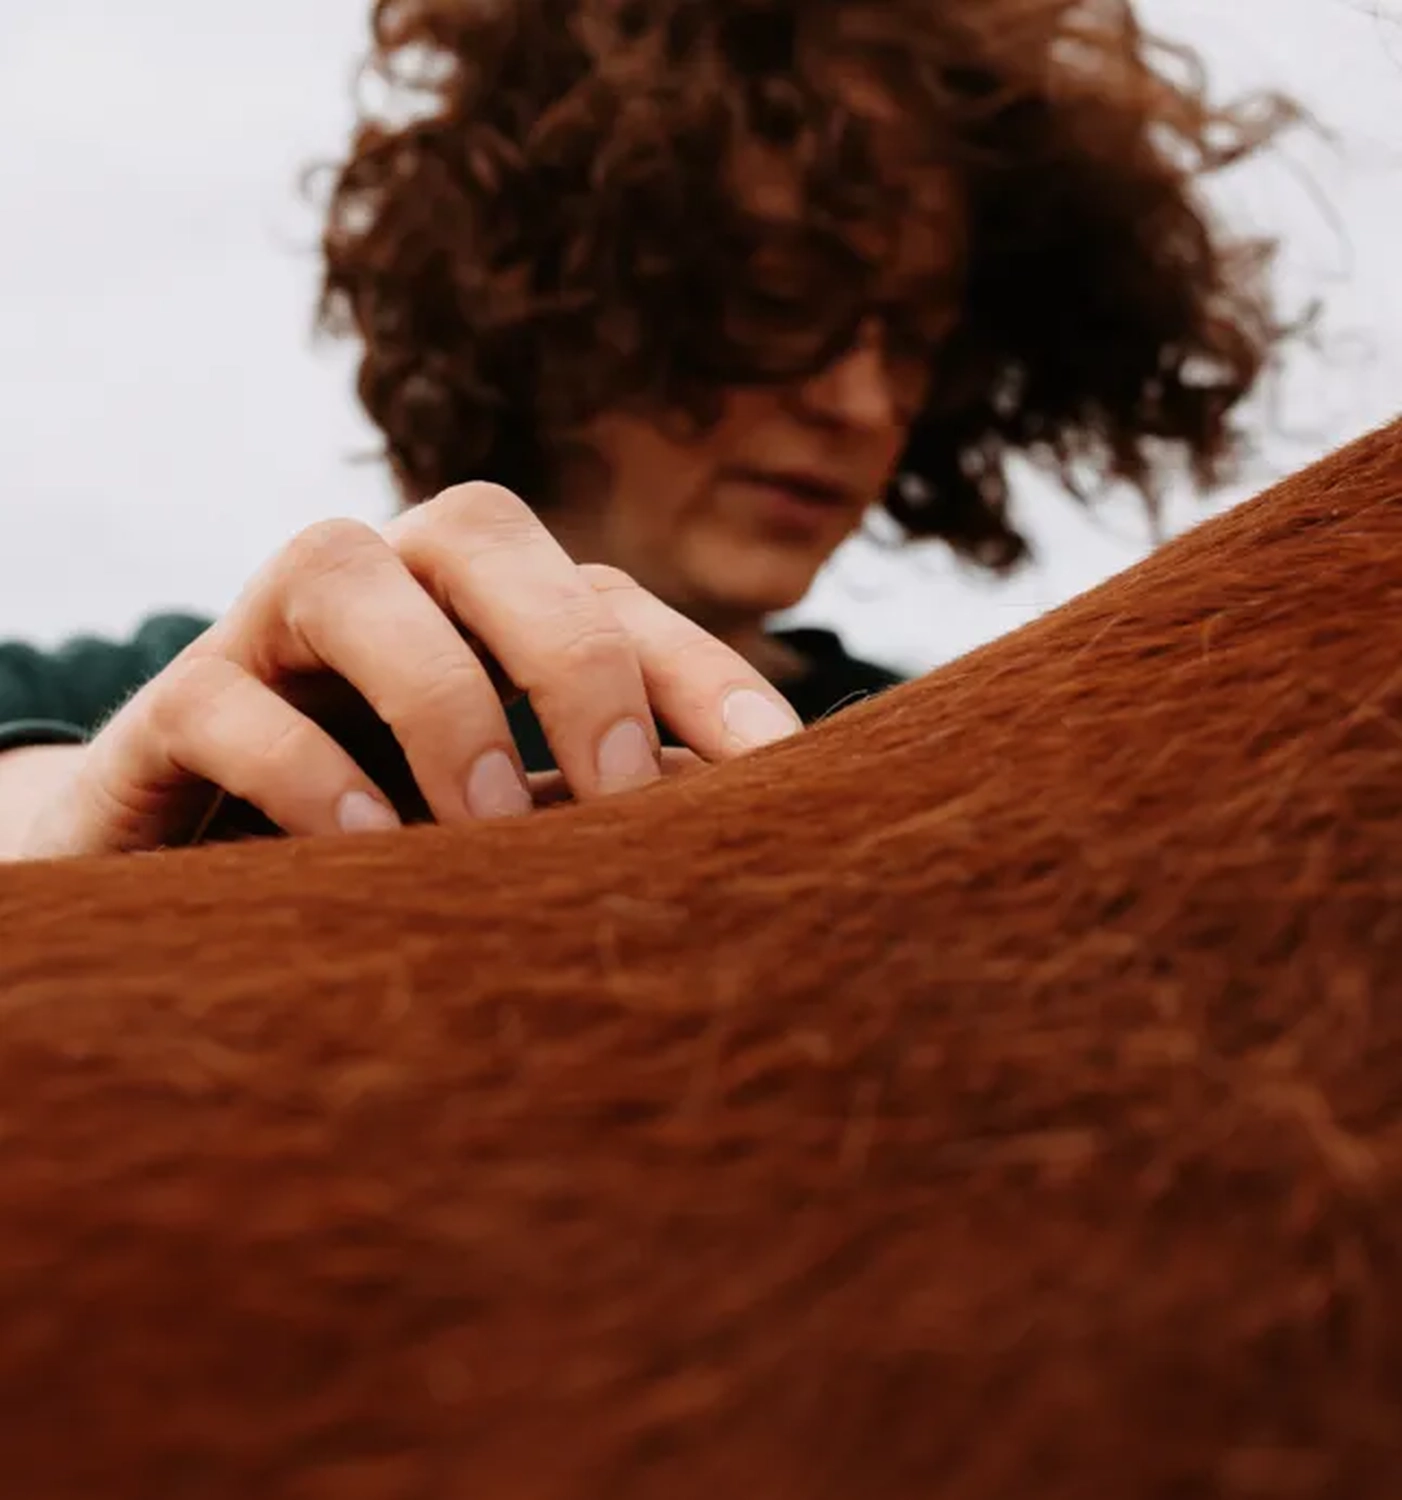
804, 486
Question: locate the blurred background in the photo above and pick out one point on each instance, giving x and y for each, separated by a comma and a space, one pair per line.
166, 420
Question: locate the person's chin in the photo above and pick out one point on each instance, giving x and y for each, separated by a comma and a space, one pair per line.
765, 593
762, 575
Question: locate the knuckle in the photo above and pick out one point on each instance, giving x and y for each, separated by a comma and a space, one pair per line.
591, 645
119, 807
462, 524
438, 689
480, 497
604, 578
328, 548
491, 512
285, 747
694, 652
317, 571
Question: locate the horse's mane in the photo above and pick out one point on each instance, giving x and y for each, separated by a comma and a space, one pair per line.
994, 1093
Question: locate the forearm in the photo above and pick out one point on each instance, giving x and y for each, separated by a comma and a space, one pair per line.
30, 777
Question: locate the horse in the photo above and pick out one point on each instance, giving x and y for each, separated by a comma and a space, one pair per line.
994, 1092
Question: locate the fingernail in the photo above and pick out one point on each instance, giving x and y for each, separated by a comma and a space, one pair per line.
626, 757
357, 812
753, 720
495, 788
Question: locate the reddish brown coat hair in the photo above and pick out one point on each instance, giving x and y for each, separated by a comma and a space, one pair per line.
989, 1094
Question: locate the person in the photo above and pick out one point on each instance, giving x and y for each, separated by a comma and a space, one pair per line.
655, 300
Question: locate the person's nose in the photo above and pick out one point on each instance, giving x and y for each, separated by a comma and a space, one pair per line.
857, 389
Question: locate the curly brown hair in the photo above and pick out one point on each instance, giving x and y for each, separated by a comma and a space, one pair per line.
541, 225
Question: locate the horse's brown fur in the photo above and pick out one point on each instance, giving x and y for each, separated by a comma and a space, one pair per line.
994, 1093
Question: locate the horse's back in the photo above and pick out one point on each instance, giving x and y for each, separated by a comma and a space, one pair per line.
995, 1092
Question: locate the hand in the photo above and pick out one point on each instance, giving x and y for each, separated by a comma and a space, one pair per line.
459, 603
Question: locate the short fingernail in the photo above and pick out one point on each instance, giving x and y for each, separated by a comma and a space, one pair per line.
626, 757
752, 720
358, 812
495, 788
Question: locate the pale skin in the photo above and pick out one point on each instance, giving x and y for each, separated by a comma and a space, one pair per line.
646, 593
648, 598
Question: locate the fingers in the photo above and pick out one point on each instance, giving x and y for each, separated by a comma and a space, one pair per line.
341, 600
712, 698
205, 720
596, 653
422, 623
487, 560
550, 789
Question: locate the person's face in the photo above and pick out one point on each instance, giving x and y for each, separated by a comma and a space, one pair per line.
736, 523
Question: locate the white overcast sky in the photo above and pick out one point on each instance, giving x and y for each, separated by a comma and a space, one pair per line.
166, 423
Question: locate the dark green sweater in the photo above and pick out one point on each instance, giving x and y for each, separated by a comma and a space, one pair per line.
63, 696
